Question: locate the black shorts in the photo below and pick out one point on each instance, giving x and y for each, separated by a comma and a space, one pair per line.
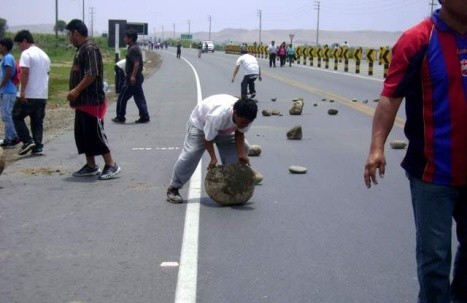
89, 135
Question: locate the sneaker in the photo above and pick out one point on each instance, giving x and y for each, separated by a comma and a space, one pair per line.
87, 171
6, 144
26, 148
110, 172
142, 120
119, 120
36, 151
173, 196
252, 95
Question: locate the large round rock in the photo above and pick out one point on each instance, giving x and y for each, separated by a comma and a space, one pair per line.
230, 184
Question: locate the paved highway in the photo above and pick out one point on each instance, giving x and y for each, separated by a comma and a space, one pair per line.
318, 237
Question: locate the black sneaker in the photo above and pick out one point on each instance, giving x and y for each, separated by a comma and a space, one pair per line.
142, 120
87, 171
119, 120
36, 151
110, 172
173, 196
252, 95
26, 148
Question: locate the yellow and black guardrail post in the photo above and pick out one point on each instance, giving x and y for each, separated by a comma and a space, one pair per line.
358, 58
298, 54
327, 52
335, 54
370, 57
312, 52
345, 55
386, 57
320, 55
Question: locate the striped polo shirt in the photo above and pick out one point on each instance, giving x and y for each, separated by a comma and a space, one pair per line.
429, 69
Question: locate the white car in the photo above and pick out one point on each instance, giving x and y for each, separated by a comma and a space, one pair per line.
210, 46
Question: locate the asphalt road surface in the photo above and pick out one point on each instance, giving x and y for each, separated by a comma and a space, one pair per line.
317, 237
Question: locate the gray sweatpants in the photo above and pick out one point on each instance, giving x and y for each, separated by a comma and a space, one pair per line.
193, 150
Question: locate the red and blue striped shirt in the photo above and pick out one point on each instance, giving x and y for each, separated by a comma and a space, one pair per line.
429, 69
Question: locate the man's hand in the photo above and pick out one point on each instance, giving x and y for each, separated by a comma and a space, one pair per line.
244, 159
212, 163
376, 162
22, 97
72, 96
132, 80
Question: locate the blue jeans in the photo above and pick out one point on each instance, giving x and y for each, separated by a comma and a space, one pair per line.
6, 103
193, 150
434, 207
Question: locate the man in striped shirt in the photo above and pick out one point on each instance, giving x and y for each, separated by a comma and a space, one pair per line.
429, 69
87, 97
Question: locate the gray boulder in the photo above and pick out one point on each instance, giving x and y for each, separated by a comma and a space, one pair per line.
295, 133
297, 107
254, 150
230, 184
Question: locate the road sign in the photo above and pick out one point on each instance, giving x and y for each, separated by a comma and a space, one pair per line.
186, 37
291, 36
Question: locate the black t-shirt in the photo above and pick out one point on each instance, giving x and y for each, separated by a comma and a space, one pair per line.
133, 55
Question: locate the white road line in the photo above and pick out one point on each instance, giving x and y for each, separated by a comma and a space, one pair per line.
188, 269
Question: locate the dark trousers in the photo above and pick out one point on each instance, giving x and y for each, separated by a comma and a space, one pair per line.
35, 110
272, 60
248, 83
282, 60
135, 91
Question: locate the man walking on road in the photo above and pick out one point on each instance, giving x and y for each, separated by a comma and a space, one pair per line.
87, 97
219, 119
272, 49
252, 72
33, 94
133, 86
429, 69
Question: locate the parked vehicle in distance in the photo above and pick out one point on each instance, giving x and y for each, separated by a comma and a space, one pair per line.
210, 46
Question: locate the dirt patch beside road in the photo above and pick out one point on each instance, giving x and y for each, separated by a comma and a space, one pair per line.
60, 118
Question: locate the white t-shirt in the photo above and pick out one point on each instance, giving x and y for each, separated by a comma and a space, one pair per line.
214, 114
249, 64
39, 67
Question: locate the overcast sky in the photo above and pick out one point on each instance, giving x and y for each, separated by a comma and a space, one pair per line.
193, 15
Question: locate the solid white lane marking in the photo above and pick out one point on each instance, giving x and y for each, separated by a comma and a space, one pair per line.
188, 269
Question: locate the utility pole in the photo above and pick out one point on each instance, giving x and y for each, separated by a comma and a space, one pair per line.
83, 12
56, 18
209, 18
163, 33
317, 7
174, 31
91, 9
432, 4
259, 13
189, 24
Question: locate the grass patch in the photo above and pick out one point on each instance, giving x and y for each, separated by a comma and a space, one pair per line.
61, 54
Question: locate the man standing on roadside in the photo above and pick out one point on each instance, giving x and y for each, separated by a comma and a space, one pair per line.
133, 86
87, 97
33, 93
429, 69
8, 92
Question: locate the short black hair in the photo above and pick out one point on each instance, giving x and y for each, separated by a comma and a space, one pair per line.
7, 42
24, 35
246, 108
79, 26
132, 34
